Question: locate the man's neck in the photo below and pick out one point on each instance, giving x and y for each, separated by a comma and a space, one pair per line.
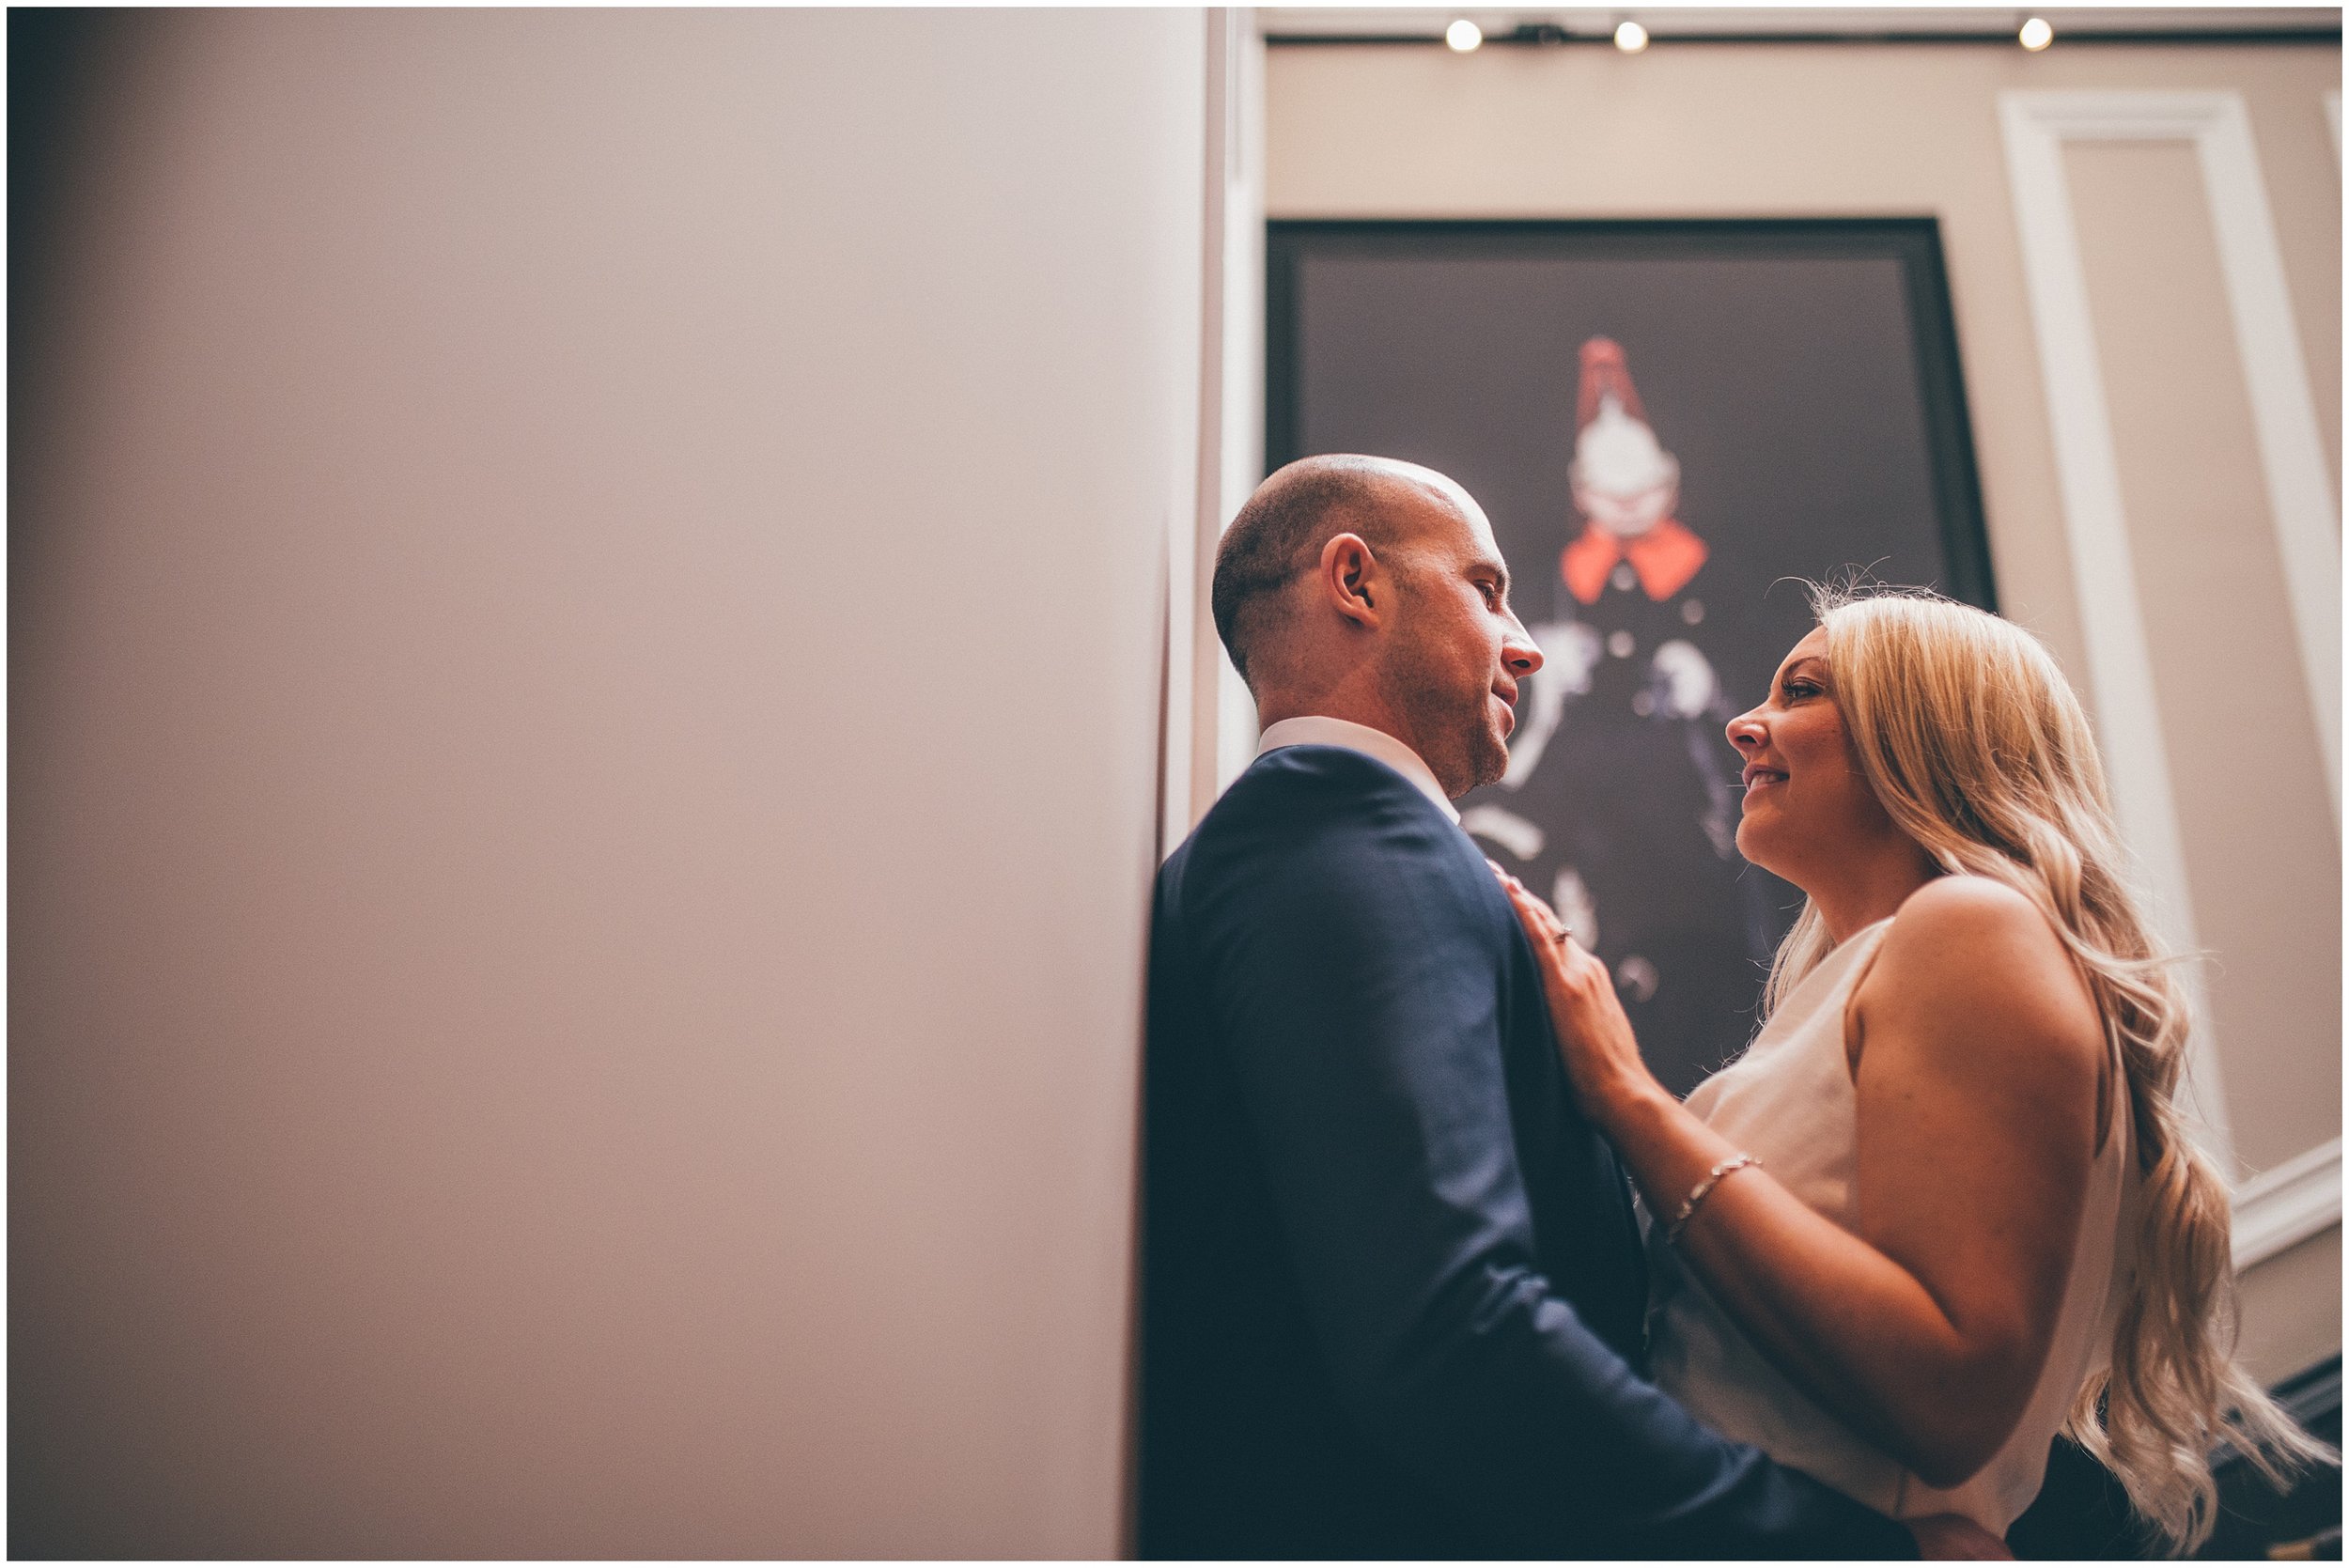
1355, 708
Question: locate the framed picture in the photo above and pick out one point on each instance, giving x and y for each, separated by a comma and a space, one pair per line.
1673, 426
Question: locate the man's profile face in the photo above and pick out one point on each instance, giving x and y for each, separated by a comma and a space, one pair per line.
1457, 650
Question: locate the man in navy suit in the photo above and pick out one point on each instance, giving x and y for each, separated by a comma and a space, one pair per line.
1393, 1287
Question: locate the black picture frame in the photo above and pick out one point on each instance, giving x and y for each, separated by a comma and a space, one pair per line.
1828, 346
1914, 243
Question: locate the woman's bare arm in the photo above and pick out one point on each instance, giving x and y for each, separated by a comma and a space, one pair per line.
1979, 1055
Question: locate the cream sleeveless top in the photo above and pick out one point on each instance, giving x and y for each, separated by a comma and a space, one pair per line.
1789, 1101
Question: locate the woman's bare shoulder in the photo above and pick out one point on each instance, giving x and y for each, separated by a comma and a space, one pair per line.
1973, 952
1959, 907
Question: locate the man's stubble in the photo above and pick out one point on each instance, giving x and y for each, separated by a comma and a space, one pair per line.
1447, 717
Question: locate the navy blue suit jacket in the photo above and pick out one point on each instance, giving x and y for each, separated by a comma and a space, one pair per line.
1392, 1288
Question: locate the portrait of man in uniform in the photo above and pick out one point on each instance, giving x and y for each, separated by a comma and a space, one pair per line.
1670, 426
1620, 800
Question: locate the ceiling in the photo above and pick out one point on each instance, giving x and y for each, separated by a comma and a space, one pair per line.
1853, 24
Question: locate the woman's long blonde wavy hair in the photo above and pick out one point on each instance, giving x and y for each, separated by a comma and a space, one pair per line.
1976, 746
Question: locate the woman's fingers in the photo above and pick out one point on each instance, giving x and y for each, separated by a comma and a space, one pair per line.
1552, 942
1533, 915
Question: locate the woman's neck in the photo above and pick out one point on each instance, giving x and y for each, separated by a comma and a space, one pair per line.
1865, 888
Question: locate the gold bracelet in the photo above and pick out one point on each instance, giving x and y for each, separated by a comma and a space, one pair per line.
1704, 1190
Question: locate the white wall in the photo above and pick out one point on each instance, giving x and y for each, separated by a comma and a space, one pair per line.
1848, 129
584, 733
1210, 717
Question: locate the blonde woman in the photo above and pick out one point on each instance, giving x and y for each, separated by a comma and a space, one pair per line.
1946, 1204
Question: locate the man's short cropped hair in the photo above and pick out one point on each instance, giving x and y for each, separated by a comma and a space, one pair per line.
1279, 533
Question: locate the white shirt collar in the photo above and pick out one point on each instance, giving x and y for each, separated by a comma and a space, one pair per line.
1315, 730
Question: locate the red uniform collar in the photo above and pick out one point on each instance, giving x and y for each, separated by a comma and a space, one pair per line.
1666, 556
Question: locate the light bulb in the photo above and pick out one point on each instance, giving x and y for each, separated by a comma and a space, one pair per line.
1630, 37
2036, 34
1463, 36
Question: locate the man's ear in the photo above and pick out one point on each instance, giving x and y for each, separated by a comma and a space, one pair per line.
1350, 577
